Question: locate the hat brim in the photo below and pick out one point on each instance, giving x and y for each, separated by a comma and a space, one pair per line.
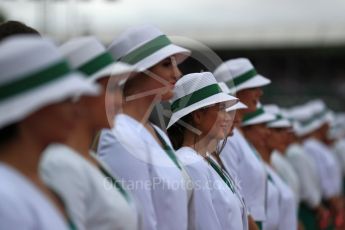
282, 123
22, 105
304, 130
118, 68
180, 53
315, 125
256, 81
217, 98
239, 105
263, 118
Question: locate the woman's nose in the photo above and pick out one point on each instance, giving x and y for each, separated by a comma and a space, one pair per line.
259, 92
176, 70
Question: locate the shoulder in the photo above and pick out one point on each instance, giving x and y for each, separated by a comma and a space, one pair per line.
61, 157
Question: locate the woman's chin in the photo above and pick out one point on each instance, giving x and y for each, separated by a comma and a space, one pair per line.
167, 96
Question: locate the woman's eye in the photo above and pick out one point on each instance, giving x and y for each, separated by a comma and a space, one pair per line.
167, 63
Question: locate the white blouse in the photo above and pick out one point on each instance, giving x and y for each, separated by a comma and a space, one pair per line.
205, 215
273, 203
91, 199
339, 149
285, 170
240, 158
23, 206
159, 184
328, 167
229, 203
287, 205
310, 189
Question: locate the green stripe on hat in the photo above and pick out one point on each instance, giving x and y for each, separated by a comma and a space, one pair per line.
34, 80
252, 115
195, 97
146, 50
96, 64
278, 118
242, 78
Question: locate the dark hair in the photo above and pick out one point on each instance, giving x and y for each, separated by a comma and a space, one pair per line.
177, 131
11, 28
8, 133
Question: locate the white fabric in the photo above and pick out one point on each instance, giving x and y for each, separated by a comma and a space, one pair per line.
17, 62
287, 206
231, 69
17, 59
304, 166
204, 211
91, 200
133, 173
257, 81
191, 83
285, 170
281, 123
81, 50
137, 36
230, 206
238, 105
327, 165
23, 206
262, 118
238, 157
273, 207
339, 149
164, 196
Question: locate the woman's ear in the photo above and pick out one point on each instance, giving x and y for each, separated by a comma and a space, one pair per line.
197, 117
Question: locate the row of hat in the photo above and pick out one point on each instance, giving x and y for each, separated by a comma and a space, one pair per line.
26, 58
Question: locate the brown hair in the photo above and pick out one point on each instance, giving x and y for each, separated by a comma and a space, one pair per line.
8, 133
11, 28
177, 131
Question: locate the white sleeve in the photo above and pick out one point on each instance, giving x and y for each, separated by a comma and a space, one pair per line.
133, 173
68, 180
310, 184
13, 216
204, 213
229, 156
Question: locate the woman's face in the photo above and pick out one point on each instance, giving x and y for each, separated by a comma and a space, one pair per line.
101, 109
250, 97
162, 78
213, 121
279, 139
257, 134
52, 123
232, 122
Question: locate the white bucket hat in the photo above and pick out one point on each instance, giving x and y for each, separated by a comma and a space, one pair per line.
280, 120
34, 74
302, 123
90, 57
238, 105
239, 74
310, 117
195, 91
259, 116
144, 47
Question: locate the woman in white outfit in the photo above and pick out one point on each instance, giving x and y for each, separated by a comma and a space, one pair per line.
241, 77
36, 87
198, 122
70, 168
279, 139
316, 126
136, 150
256, 131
